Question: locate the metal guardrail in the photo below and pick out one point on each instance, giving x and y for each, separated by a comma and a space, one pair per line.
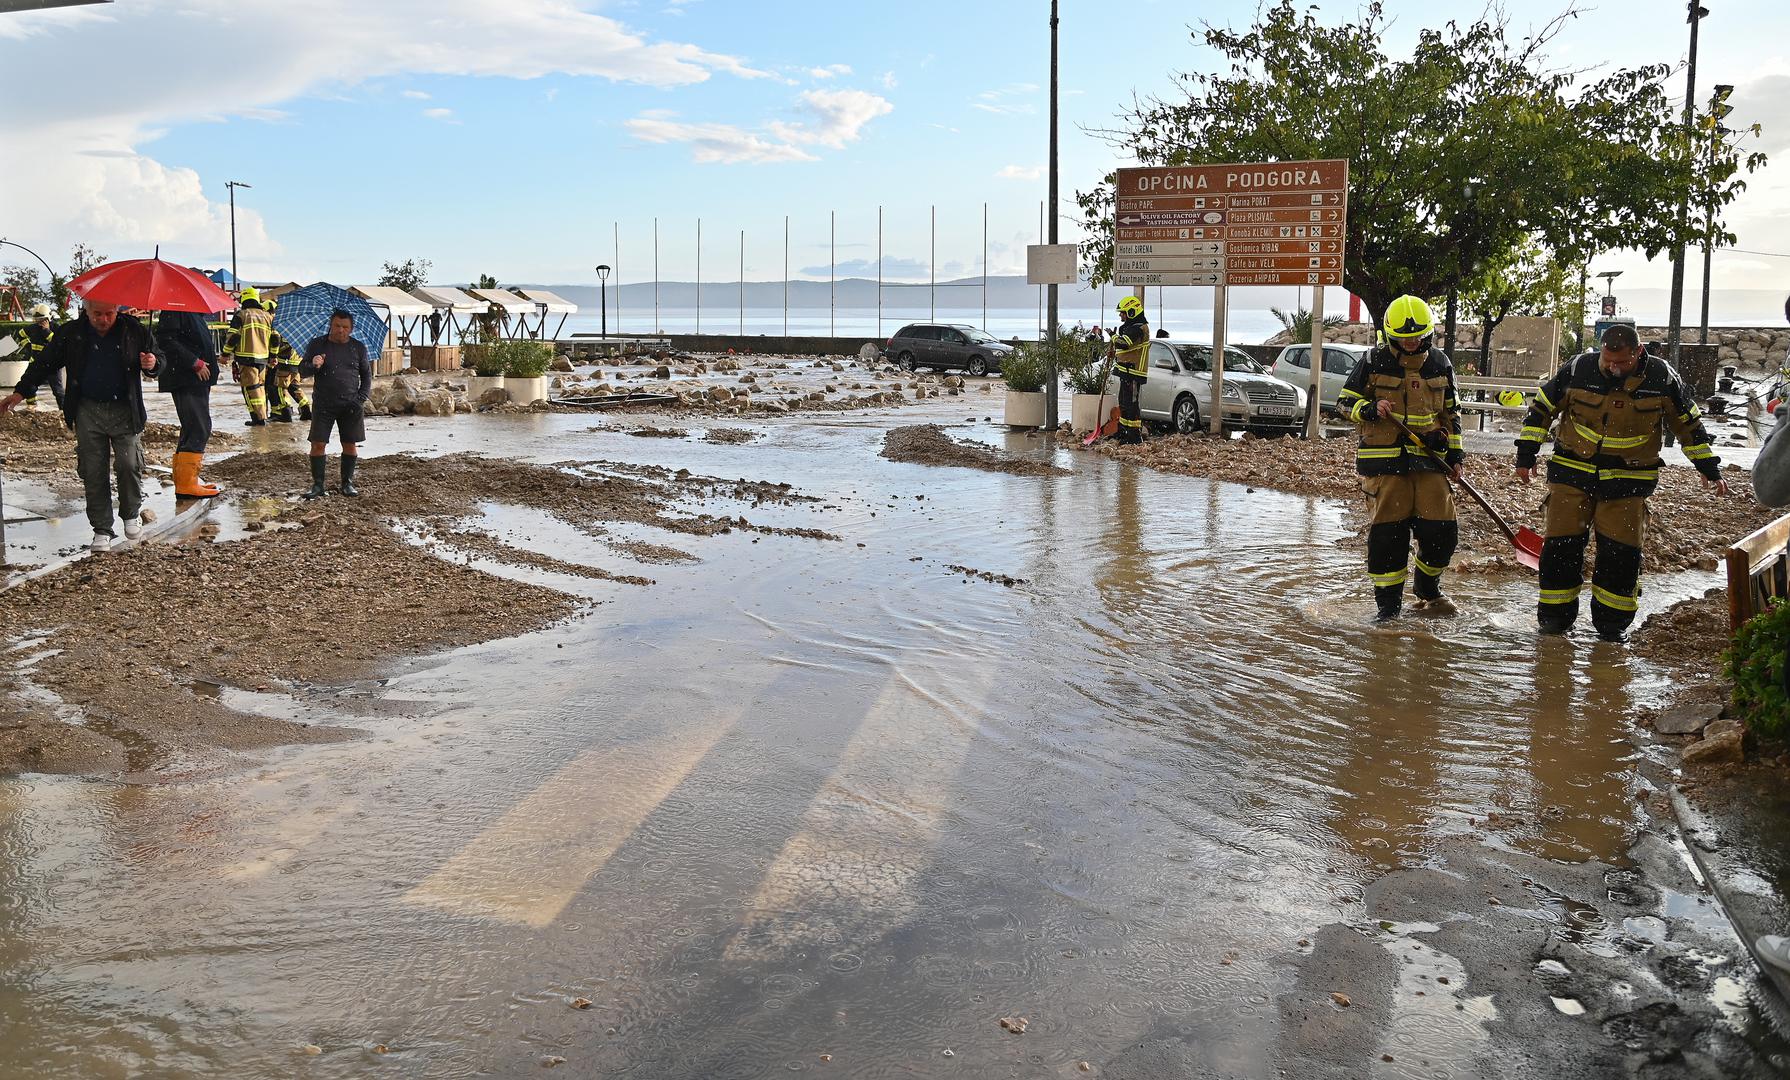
1758, 571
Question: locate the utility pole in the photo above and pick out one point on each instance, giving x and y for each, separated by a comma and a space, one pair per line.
1675, 329
235, 281
1718, 111
1050, 351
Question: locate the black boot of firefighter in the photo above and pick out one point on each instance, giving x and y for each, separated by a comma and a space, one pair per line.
1388, 552
1615, 588
318, 465
1562, 578
1436, 541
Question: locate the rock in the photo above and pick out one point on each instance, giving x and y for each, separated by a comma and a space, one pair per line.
435, 403
497, 395
954, 380
773, 406
720, 394
461, 405
748, 377
399, 398
560, 363
727, 365
1340, 998
817, 396
603, 388
1724, 748
662, 372
147, 515
1687, 719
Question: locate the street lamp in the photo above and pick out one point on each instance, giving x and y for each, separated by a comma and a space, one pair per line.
603, 284
235, 281
1697, 13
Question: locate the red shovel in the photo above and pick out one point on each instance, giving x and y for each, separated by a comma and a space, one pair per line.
1526, 540
1111, 426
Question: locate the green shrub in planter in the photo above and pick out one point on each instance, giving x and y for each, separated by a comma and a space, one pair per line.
526, 359
1023, 371
484, 360
1755, 662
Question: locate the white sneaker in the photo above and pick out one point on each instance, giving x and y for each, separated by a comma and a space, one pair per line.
133, 528
101, 542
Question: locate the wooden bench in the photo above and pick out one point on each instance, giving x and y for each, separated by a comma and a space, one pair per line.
1491, 388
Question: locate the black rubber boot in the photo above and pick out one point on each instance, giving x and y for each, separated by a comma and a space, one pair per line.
318, 491
349, 461
1389, 601
256, 421
1611, 632
280, 416
304, 411
1556, 618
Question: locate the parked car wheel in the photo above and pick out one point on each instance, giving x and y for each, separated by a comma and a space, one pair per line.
905, 361
978, 365
1186, 415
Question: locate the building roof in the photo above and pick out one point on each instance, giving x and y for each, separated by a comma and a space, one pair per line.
509, 301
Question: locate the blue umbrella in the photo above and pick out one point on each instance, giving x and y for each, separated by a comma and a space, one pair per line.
304, 315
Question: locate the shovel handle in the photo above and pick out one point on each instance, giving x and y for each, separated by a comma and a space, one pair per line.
1461, 481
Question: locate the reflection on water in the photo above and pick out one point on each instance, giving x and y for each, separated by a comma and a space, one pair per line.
805, 798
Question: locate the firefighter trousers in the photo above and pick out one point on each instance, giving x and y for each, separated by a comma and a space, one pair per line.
1621, 527
253, 378
1416, 503
288, 390
1131, 416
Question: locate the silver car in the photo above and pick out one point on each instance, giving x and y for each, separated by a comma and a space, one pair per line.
1294, 365
1179, 391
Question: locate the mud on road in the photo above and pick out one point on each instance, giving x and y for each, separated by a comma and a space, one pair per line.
116, 657
927, 444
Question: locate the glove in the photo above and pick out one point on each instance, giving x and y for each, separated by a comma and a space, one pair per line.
1437, 441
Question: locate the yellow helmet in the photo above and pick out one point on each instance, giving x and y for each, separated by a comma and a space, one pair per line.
1409, 317
249, 292
1510, 399
269, 304
1130, 305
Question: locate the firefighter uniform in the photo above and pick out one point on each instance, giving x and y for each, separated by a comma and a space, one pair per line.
1131, 356
288, 386
1605, 463
1407, 486
250, 344
33, 338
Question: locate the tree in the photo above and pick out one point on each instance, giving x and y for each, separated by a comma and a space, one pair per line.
1298, 323
1525, 280
406, 275
80, 261
1459, 150
488, 323
25, 283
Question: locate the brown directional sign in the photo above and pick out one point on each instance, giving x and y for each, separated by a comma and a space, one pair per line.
1275, 224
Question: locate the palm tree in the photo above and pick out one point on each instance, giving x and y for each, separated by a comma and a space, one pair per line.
1298, 324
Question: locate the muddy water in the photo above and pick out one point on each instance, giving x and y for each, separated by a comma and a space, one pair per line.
809, 805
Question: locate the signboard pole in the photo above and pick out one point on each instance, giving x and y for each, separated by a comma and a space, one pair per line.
1220, 315
1316, 396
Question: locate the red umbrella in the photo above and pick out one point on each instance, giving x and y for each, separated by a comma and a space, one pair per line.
152, 285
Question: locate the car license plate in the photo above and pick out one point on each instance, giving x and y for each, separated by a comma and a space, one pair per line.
1275, 410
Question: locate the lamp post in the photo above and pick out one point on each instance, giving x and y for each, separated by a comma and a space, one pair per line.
235, 281
603, 284
1673, 331
1051, 387
1718, 111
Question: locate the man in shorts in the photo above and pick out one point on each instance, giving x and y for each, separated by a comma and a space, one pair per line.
344, 379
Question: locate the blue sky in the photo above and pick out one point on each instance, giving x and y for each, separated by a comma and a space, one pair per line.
510, 138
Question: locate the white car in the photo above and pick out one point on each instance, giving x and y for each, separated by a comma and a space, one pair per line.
1179, 391
1294, 365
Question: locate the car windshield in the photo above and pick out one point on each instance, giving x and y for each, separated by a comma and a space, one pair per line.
976, 335
1199, 358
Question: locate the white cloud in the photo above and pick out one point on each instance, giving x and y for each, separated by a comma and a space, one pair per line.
1020, 172
716, 143
442, 114
830, 71
1007, 100
889, 81
837, 117
416, 95
88, 181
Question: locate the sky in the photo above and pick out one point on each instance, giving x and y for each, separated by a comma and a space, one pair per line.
520, 138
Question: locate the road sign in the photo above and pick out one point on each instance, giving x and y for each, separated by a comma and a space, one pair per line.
1295, 216
1172, 277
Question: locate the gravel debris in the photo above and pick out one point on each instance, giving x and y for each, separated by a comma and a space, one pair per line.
927, 444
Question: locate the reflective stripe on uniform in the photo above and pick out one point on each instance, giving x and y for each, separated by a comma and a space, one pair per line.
1613, 600
1542, 396
1395, 577
1432, 571
1538, 434
1416, 418
1561, 596
1698, 452
1355, 413
1454, 442
1582, 466
1379, 451
1628, 474
1625, 442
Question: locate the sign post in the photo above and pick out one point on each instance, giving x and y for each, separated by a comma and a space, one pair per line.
1222, 225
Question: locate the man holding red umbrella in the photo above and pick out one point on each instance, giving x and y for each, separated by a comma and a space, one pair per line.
106, 356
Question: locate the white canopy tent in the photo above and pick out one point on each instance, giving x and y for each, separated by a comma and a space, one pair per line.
550, 304
517, 310
407, 312
454, 303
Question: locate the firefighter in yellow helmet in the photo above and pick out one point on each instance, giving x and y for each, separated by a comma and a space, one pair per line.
1131, 350
33, 338
1613, 406
250, 344
285, 385
1406, 378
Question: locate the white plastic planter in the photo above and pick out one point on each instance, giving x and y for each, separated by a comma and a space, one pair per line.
476, 385
1024, 410
526, 391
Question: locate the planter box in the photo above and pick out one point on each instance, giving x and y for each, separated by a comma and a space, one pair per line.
1085, 411
435, 357
1024, 410
11, 371
476, 385
526, 391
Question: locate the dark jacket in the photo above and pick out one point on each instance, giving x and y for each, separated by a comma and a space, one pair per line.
1610, 433
1421, 389
70, 350
346, 375
185, 339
